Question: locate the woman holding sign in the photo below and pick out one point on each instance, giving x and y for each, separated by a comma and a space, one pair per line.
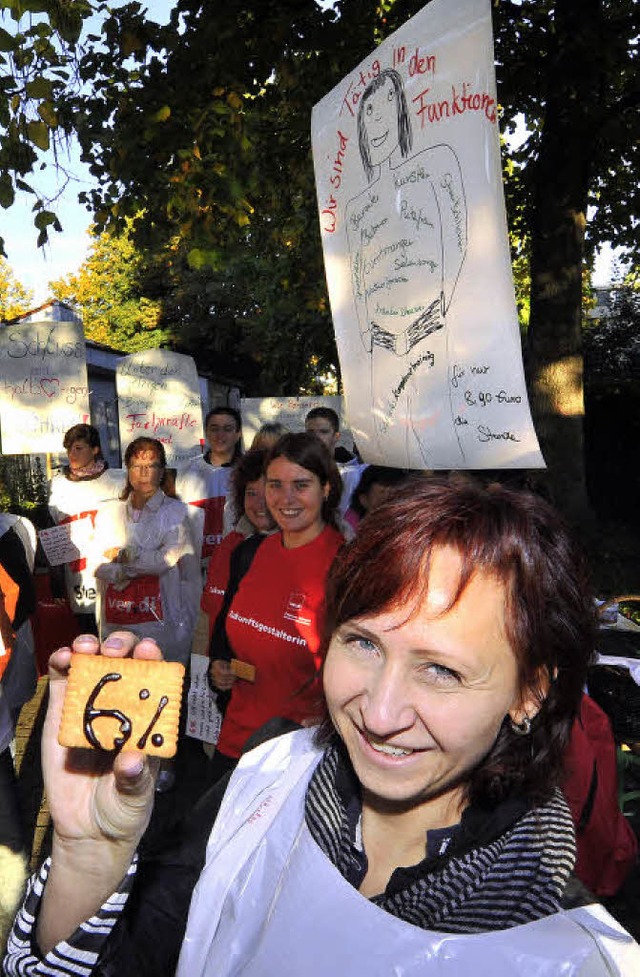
419, 831
147, 571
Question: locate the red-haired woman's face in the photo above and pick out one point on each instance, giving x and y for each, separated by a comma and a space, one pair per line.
419, 700
145, 473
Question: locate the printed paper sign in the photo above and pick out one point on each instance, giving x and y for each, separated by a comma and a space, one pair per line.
159, 397
407, 161
67, 542
291, 412
43, 385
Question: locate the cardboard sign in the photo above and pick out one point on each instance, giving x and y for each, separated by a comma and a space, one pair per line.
407, 161
159, 397
291, 412
43, 385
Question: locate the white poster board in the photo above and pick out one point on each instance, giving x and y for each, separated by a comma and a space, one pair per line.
159, 397
43, 385
407, 161
67, 542
289, 411
204, 719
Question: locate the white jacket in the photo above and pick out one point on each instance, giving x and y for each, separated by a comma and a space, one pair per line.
160, 582
203, 487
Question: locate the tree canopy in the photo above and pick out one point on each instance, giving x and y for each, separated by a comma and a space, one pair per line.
198, 132
15, 299
38, 60
106, 292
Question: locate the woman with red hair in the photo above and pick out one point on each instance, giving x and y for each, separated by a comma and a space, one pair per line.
420, 830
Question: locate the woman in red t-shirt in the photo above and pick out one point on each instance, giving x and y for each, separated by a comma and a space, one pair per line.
274, 623
248, 497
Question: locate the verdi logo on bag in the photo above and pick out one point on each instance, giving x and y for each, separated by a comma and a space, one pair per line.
137, 603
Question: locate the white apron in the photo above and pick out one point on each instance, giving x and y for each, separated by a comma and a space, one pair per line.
270, 904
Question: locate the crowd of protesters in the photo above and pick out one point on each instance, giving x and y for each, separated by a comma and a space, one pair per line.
391, 625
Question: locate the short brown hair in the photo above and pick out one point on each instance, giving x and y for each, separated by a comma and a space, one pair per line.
550, 622
83, 432
248, 468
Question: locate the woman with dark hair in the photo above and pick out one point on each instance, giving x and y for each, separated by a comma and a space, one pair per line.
248, 499
149, 580
375, 486
387, 84
75, 495
203, 483
274, 621
421, 831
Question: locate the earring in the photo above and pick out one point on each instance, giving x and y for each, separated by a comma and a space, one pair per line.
522, 728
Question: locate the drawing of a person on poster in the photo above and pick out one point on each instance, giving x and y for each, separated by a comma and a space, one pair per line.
410, 221
406, 150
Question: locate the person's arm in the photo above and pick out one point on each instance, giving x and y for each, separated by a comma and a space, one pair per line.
173, 545
99, 806
14, 560
448, 186
141, 928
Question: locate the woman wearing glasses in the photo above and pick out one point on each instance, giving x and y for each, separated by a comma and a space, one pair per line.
149, 580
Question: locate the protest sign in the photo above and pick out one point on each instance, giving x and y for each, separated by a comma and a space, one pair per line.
204, 718
289, 411
407, 161
159, 397
43, 385
67, 542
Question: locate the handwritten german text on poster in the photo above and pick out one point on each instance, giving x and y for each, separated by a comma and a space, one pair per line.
407, 160
159, 397
43, 385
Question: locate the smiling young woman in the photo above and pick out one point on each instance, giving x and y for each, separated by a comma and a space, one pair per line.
275, 619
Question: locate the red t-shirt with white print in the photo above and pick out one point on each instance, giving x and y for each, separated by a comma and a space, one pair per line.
275, 623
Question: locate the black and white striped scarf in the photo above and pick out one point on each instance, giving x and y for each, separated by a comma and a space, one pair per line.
501, 868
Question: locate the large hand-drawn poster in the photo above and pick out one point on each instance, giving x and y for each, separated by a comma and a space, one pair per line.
407, 160
159, 397
43, 385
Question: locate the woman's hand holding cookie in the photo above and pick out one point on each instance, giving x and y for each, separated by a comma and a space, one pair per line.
100, 803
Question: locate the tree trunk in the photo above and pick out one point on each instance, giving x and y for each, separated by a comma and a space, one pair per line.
561, 179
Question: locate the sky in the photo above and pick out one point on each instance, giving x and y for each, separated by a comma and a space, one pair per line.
36, 267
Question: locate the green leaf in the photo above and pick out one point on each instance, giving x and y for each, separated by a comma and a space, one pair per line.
8, 42
44, 219
162, 114
6, 191
38, 134
39, 88
48, 115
